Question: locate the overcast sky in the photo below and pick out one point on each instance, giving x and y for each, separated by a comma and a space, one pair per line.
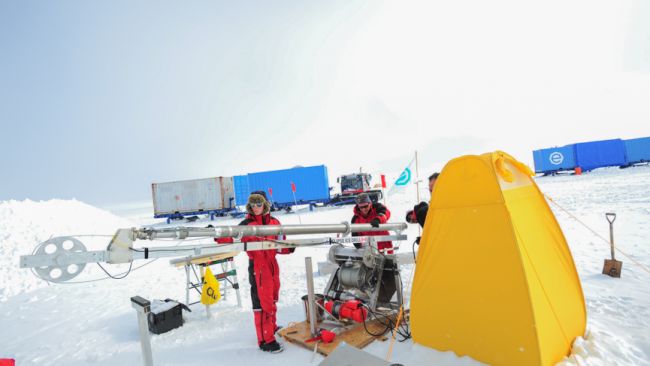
100, 99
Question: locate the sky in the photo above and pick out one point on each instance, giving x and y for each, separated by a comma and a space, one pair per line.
100, 99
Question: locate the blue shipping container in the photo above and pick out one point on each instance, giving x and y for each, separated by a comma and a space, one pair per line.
637, 150
554, 159
241, 189
312, 185
596, 154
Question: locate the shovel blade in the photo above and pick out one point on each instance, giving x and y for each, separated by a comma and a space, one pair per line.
612, 268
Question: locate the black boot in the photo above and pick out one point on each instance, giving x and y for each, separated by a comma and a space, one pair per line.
273, 347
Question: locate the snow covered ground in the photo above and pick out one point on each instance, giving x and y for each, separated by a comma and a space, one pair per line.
92, 322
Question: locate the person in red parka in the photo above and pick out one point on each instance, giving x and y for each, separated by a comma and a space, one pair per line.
263, 273
367, 212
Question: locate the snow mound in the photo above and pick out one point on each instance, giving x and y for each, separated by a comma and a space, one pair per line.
25, 224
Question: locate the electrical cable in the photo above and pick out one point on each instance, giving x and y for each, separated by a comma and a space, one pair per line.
161, 250
388, 324
365, 327
103, 278
117, 278
416, 241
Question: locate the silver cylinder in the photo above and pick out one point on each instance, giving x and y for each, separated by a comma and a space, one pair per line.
340, 254
236, 231
310, 297
352, 276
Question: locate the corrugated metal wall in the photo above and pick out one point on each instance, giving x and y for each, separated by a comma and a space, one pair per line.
596, 154
312, 184
592, 155
637, 150
194, 195
241, 189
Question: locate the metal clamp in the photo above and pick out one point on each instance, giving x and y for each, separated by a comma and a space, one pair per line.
182, 233
348, 229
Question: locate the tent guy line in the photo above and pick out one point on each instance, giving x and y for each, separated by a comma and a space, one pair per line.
598, 235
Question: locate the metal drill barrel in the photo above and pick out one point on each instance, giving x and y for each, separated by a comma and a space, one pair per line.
236, 231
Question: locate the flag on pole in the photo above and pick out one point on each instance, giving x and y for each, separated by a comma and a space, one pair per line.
293, 192
211, 292
407, 176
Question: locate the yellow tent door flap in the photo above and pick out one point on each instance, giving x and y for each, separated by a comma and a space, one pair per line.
495, 279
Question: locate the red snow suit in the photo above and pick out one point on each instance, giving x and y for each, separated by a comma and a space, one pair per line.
377, 210
264, 278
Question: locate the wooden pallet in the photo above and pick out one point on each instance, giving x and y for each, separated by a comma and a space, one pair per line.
356, 336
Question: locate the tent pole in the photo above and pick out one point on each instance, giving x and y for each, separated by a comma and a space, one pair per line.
417, 185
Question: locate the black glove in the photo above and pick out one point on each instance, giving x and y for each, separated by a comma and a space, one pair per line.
374, 222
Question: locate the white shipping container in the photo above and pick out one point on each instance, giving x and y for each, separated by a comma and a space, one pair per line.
196, 195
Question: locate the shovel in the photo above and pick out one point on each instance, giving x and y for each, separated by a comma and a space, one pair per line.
612, 267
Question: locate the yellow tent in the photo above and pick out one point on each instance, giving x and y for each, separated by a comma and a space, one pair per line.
495, 279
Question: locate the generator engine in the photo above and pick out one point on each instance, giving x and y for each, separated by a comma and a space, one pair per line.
364, 274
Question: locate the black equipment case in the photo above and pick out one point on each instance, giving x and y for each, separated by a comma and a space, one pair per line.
165, 315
